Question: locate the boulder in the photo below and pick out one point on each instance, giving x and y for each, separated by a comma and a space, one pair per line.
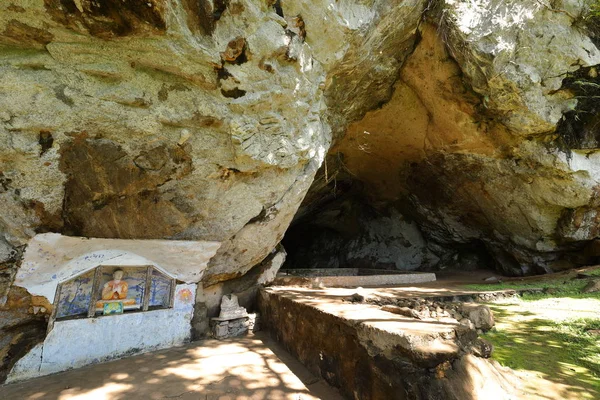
482, 348
480, 315
271, 265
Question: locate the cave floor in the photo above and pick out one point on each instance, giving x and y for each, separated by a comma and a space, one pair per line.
448, 284
253, 367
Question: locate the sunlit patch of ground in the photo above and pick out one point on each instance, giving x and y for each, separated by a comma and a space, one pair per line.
253, 368
549, 343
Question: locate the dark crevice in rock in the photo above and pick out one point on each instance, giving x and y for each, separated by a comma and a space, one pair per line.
46, 140
222, 73
234, 93
236, 51
261, 216
219, 8
580, 128
296, 27
4, 182
109, 18
276, 4
204, 14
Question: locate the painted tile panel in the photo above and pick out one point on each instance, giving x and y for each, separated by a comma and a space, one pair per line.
75, 296
160, 290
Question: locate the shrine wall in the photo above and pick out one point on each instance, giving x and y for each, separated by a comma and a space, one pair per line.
78, 342
52, 259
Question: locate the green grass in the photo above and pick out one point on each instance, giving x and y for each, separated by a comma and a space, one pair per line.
562, 287
585, 347
563, 352
594, 11
547, 334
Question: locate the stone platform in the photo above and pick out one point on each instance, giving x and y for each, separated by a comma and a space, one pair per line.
349, 277
372, 354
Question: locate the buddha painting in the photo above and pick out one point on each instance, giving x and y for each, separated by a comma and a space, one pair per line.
115, 289
125, 288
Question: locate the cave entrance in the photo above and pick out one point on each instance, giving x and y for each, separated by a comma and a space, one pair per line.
338, 230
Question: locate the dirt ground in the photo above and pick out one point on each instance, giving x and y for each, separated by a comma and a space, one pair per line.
234, 369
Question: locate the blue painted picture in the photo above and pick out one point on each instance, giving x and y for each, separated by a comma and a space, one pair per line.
124, 286
75, 296
160, 290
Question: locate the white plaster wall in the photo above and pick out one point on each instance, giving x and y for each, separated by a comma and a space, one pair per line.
78, 342
51, 258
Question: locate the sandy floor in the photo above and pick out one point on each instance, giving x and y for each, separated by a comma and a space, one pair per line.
242, 368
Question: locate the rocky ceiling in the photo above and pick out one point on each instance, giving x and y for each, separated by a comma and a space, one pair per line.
484, 156
208, 120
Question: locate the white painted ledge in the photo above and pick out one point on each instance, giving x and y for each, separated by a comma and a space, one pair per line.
51, 258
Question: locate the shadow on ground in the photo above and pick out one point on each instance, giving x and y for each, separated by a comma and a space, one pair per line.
562, 352
235, 369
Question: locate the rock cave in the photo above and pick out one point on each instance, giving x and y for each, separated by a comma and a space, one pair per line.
375, 193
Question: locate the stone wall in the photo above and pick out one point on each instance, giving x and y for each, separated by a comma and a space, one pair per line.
370, 356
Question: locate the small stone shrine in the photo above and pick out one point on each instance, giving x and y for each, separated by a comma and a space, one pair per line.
233, 320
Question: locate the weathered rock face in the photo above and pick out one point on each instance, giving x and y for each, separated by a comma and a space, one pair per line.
122, 124
466, 130
22, 326
473, 145
182, 120
208, 121
516, 53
